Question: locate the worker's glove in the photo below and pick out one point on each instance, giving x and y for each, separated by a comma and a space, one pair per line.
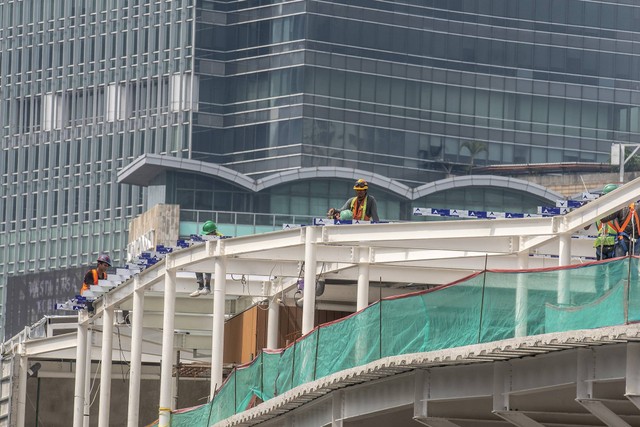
333, 213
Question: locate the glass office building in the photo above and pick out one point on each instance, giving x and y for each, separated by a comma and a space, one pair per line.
277, 106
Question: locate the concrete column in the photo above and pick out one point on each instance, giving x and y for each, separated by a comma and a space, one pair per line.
310, 268
22, 389
217, 341
166, 366
522, 296
81, 370
363, 286
135, 369
273, 323
105, 371
564, 296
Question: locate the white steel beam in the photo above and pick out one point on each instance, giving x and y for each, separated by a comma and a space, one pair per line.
435, 422
518, 419
604, 414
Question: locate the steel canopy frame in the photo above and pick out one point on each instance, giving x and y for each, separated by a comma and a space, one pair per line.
392, 253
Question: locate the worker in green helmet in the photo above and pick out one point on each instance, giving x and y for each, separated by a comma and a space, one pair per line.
209, 228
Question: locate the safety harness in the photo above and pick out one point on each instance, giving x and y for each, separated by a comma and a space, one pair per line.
623, 237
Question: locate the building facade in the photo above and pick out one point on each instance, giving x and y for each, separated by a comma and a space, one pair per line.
276, 107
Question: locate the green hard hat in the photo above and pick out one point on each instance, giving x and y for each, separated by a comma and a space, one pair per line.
346, 215
609, 188
209, 227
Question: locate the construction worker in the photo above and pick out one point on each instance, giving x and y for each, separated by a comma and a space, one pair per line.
100, 272
626, 223
607, 233
209, 228
363, 206
94, 275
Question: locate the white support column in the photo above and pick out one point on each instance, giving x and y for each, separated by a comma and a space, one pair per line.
632, 388
22, 388
310, 268
105, 370
337, 409
81, 370
273, 323
135, 373
166, 366
522, 296
564, 296
584, 389
501, 392
217, 342
363, 286
87, 380
421, 399
585, 373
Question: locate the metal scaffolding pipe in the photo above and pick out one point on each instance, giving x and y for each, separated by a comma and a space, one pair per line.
309, 293
105, 370
217, 333
166, 366
135, 368
81, 362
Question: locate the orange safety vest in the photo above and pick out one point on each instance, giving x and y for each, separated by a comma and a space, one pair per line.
359, 210
86, 287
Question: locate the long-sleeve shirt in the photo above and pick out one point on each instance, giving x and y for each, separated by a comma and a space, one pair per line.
371, 211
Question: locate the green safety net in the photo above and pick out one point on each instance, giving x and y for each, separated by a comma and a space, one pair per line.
485, 307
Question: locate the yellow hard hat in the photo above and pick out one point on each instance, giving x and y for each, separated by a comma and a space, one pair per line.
361, 184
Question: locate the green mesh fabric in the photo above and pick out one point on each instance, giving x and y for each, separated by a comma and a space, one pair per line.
490, 306
608, 310
248, 384
223, 405
351, 342
194, 417
269, 374
284, 374
304, 368
634, 292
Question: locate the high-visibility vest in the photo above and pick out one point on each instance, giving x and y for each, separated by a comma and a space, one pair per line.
359, 210
86, 287
606, 234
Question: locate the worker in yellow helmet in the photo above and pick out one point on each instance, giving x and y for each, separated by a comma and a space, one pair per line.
363, 206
